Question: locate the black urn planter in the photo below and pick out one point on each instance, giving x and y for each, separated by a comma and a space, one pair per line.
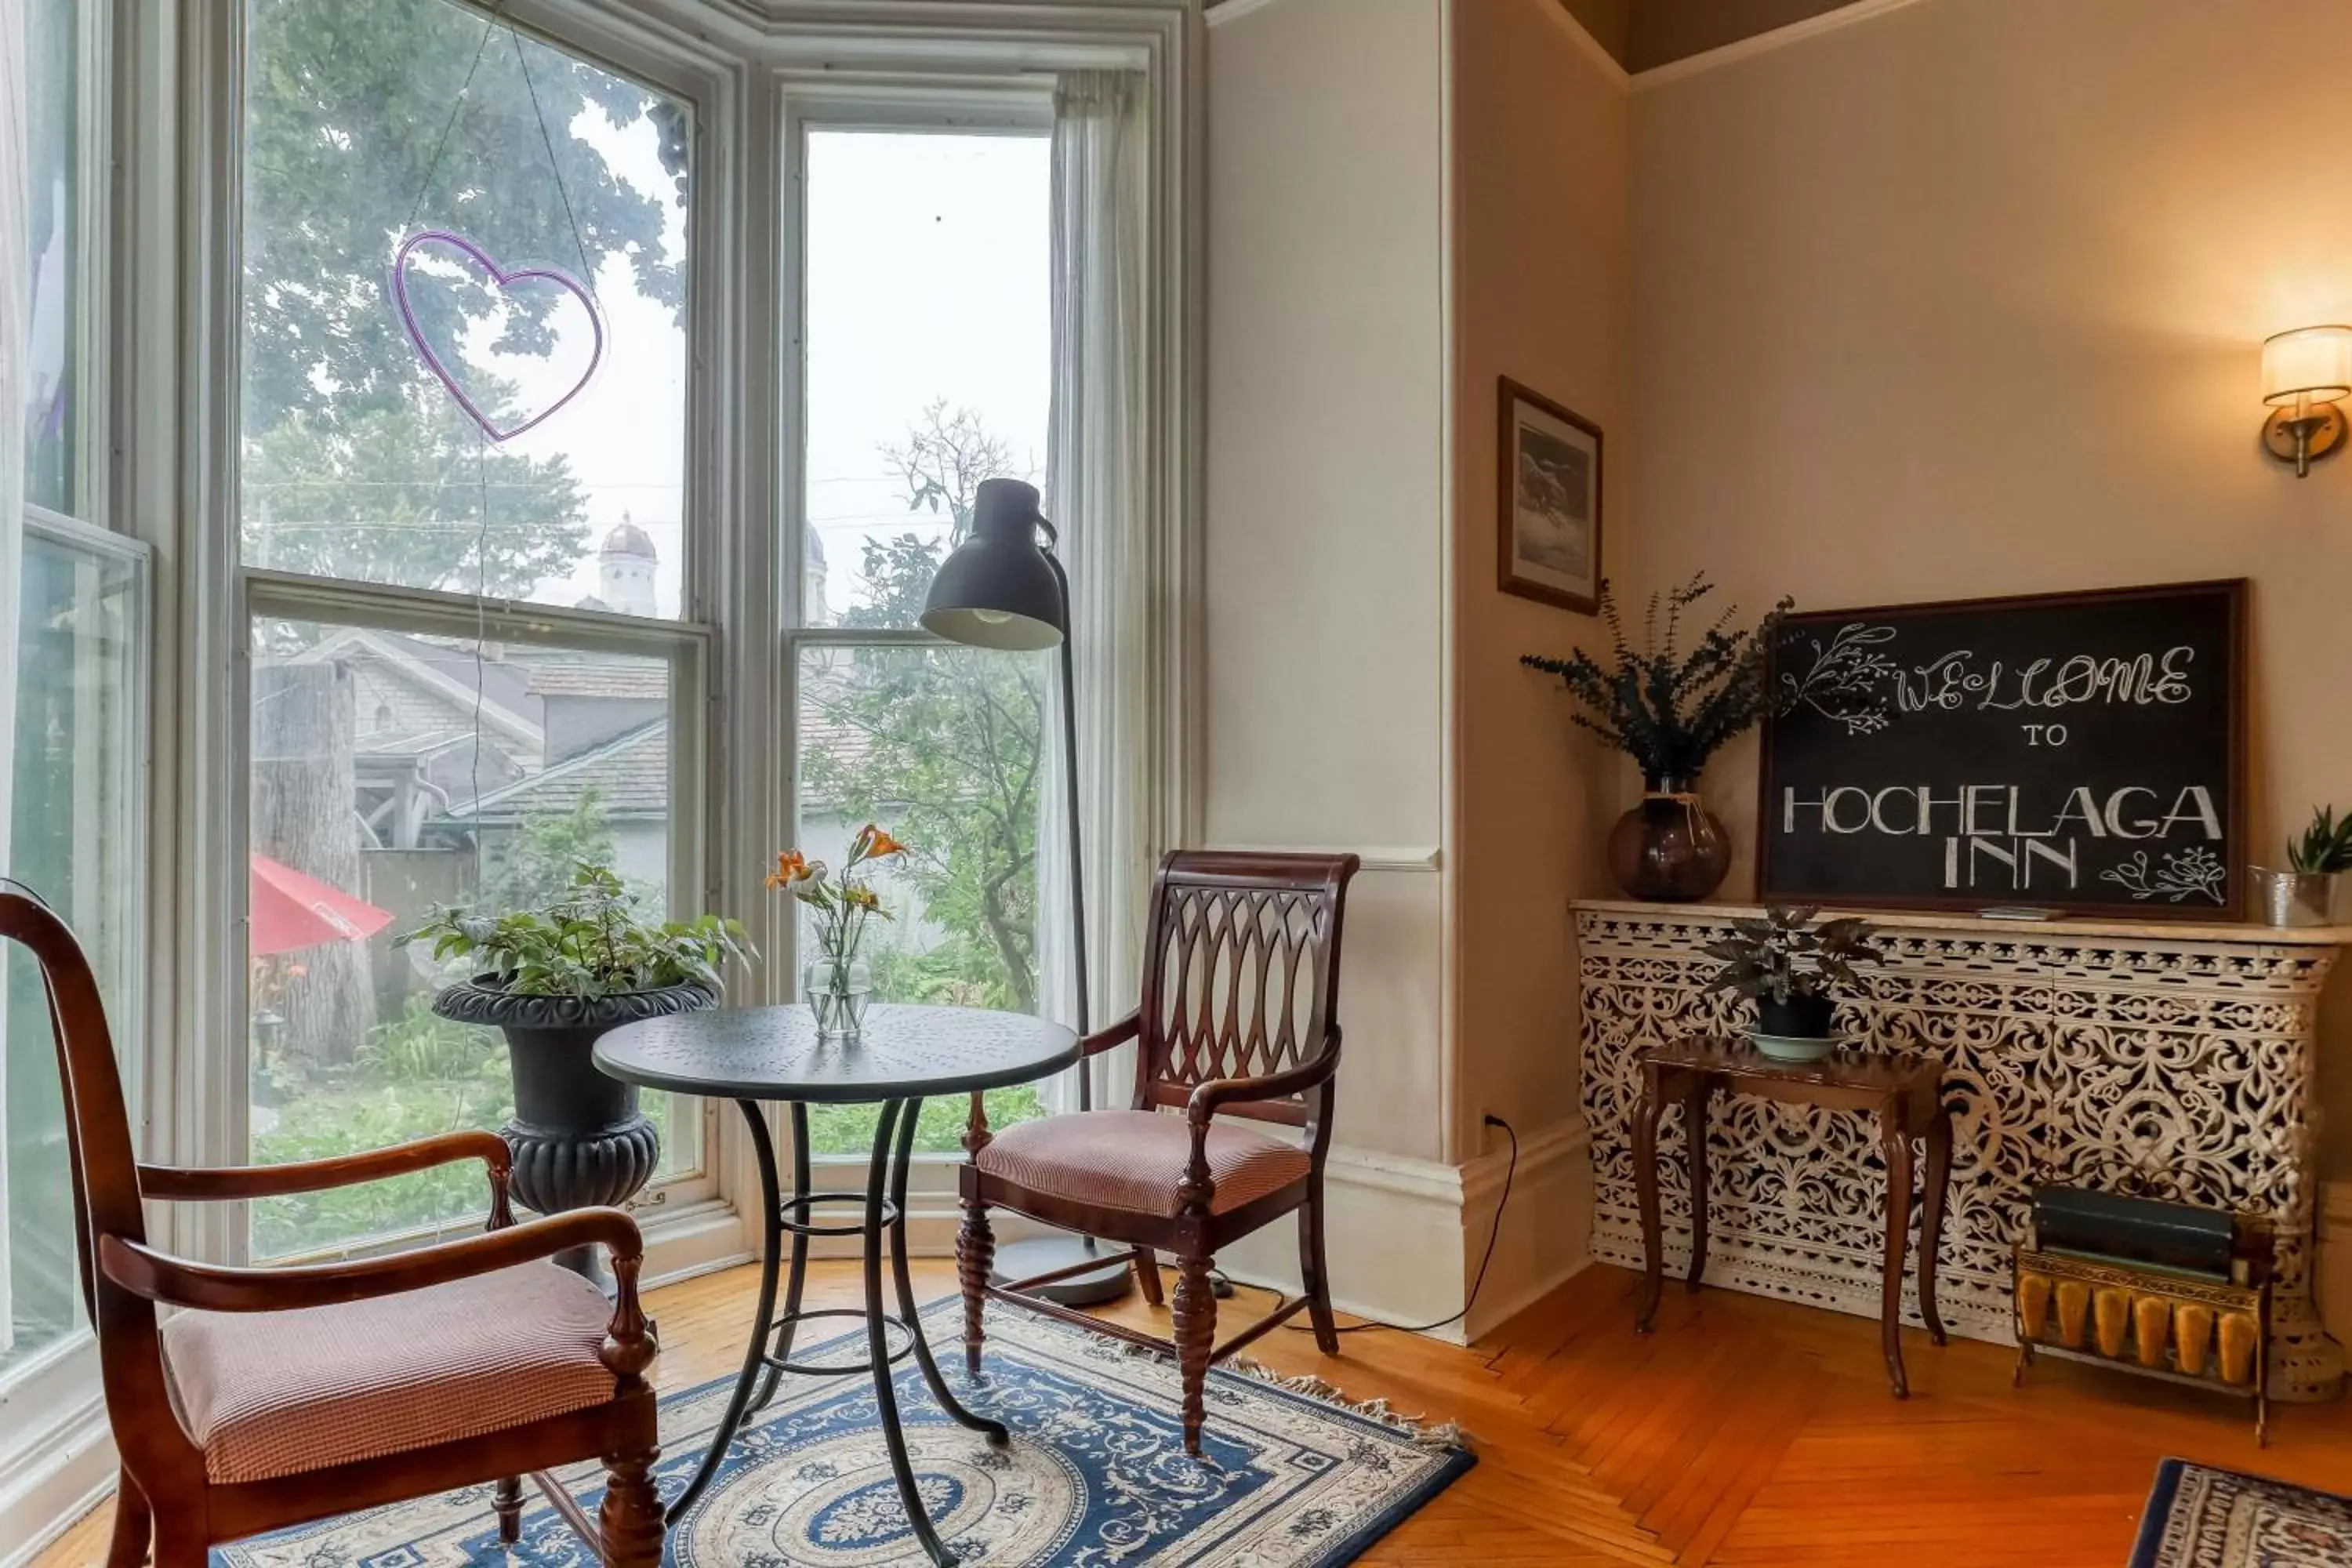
578, 1137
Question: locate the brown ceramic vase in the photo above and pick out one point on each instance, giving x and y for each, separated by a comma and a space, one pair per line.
1669, 849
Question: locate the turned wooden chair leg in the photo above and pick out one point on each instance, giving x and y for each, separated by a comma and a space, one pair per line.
507, 1501
630, 1519
1314, 1274
975, 1255
1147, 1277
177, 1551
1196, 1336
134, 1525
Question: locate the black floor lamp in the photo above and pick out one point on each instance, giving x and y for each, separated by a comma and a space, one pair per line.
1003, 588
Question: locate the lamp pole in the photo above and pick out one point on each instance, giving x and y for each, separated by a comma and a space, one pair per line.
1003, 588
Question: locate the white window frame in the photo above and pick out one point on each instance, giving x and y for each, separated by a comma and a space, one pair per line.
55, 1458
682, 646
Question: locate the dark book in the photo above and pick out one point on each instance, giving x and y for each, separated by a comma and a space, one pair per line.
2140, 1230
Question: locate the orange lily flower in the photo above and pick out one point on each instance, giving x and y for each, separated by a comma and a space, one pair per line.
792, 867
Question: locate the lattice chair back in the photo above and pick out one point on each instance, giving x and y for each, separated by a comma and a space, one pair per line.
1241, 976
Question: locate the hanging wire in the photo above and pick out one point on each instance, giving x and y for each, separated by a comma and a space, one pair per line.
482, 442
456, 107
555, 165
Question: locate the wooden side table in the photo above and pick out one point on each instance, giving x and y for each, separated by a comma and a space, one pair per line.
1906, 1092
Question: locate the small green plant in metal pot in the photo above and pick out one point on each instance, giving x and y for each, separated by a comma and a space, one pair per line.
1793, 968
2310, 890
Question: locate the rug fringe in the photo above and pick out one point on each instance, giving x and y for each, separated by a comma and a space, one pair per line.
1440, 1436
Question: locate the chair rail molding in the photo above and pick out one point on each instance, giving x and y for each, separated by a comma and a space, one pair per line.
2094, 1051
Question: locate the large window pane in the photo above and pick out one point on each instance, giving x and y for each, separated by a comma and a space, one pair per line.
929, 353
73, 839
391, 775
943, 746
53, 253
358, 461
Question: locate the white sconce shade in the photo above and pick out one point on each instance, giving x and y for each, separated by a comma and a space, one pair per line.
2310, 361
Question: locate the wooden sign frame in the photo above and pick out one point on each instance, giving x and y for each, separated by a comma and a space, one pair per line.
2153, 910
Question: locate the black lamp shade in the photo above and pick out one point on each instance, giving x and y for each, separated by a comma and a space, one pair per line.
997, 589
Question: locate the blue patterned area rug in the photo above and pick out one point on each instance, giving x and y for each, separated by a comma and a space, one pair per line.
2199, 1517
1096, 1476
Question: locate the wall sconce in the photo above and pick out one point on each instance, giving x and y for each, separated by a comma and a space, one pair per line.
2305, 373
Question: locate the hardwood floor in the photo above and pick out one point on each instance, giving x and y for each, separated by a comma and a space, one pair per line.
1743, 1432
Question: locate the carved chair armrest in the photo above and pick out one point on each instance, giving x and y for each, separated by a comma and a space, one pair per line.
977, 1135
160, 1277
1118, 1034
228, 1183
1216, 1092
1198, 1189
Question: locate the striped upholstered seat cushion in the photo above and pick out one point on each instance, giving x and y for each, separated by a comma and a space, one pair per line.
270, 1393
1133, 1160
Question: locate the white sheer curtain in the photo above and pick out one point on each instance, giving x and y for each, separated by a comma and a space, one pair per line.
15, 331
1098, 495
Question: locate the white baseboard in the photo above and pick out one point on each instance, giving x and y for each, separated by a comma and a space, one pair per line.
1404, 1236
46, 1492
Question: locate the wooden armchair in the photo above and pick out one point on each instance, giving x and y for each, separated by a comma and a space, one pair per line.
275, 1396
1239, 1019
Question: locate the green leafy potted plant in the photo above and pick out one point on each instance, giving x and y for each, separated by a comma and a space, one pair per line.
1670, 709
1793, 970
2307, 893
552, 980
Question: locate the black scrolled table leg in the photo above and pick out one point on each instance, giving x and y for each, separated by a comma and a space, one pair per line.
797, 1276
996, 1430
880, 1180
770, 1255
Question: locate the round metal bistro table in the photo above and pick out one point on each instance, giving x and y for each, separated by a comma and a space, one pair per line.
901, 1056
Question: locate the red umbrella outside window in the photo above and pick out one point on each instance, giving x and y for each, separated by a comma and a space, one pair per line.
291, 911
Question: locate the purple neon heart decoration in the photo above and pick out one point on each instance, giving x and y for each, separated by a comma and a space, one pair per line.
502, 278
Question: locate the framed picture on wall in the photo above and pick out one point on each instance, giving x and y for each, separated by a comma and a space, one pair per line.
1549, 493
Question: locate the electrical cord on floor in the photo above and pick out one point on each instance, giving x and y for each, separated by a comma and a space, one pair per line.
1493, 1235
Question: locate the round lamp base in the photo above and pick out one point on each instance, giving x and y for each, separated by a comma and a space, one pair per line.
1043, 1254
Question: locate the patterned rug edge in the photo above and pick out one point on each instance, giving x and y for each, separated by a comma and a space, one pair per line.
1447, 1437
2163, 1498
2158, 1512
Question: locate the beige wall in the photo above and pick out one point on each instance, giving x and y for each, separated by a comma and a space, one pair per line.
1965, 298
1326, 602
1541, 291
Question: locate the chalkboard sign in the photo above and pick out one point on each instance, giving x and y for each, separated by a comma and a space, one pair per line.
2074, 751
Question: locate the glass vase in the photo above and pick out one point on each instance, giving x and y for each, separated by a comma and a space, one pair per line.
837, 990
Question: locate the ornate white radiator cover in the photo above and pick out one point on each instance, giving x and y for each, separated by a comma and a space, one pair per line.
2090, 1049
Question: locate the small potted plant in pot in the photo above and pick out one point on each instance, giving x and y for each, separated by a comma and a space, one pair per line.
552, 979
1793, 969
836, 981
1669, 708
2306, 892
